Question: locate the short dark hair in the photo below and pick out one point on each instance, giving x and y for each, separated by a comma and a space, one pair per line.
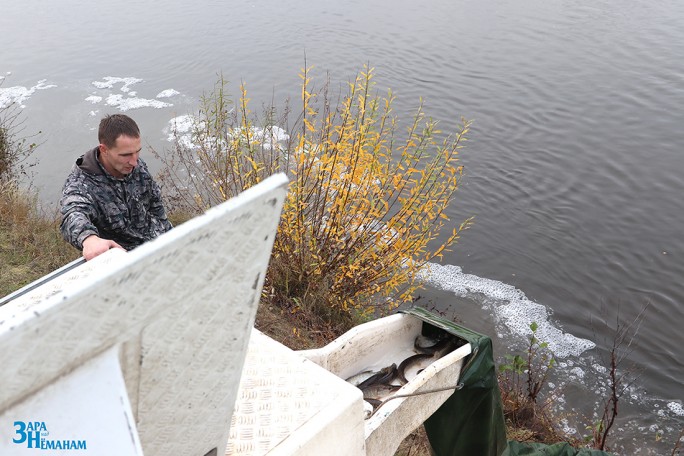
114, 125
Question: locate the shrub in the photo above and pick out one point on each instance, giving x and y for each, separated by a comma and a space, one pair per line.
365, 208
521, 381
15, 150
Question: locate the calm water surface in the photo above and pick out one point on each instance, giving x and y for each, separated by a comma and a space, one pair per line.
574, 168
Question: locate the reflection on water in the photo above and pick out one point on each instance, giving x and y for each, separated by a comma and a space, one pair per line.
574, 169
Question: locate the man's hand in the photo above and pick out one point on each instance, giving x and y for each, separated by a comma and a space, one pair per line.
94, 246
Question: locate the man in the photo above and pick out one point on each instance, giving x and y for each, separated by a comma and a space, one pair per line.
109, 199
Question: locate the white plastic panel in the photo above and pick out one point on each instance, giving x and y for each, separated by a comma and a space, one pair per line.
85, 412
181, 307
288, 405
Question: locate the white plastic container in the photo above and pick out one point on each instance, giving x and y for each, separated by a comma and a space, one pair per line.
379, 343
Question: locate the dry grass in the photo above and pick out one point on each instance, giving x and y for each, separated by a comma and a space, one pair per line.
527, 421
415, 444
291, 328
30, 242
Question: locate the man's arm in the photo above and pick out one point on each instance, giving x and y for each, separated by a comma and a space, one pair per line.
77, 227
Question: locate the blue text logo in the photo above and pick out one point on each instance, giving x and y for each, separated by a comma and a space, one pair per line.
34, 434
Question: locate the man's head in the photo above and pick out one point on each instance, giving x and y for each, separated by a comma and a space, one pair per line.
119, 138
115, 125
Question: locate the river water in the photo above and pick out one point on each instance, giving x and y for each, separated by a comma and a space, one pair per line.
573, 169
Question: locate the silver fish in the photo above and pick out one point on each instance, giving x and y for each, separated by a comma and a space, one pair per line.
411, 363
378, 391
438, 349
385, 375
423, 344
359, 378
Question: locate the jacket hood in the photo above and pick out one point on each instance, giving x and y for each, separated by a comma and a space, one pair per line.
89, 163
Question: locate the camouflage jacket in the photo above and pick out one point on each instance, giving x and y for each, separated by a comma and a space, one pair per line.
128, 211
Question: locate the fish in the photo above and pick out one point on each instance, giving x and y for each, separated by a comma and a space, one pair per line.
359, 378
410, 363
427, 354
369, 407
423, 344
373, 402
383, 382
438, 349
378, 391
384, 375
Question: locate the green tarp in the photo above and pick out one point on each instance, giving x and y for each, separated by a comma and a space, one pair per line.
471, 421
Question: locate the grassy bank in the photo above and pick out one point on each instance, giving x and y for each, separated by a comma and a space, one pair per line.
30, 243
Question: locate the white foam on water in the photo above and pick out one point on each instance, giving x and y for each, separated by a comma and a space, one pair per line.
509, 305
599, 368
131, 100
167, 93
126, 104
513, 312
108, 82
180, 128
676, 408
269, 137
19, 94
567, 428
181, 124
577, 372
